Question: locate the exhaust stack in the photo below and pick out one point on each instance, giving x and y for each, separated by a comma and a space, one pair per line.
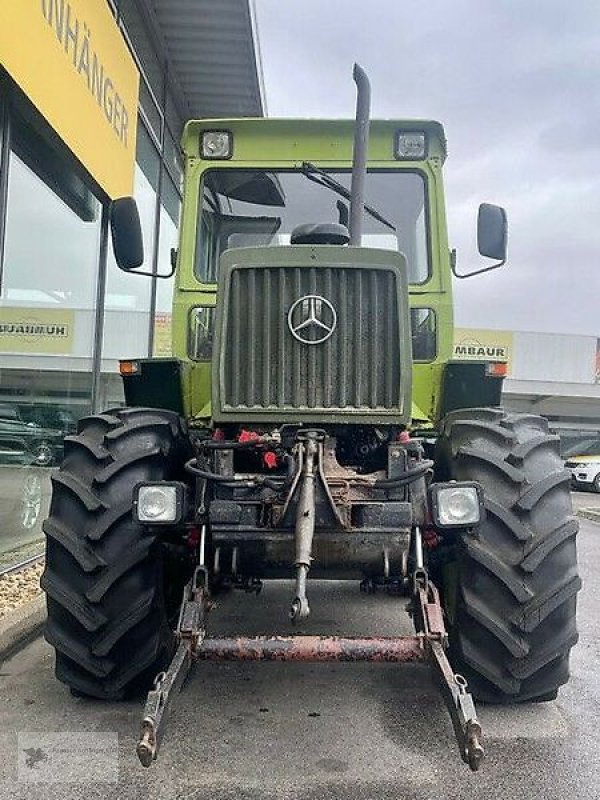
359, 156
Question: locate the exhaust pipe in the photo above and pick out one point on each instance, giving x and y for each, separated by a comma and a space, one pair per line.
359, 156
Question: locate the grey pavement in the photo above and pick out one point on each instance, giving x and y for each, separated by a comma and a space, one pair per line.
586, 500
319, 731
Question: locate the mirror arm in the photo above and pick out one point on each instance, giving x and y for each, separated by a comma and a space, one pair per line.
475, 272
168, 274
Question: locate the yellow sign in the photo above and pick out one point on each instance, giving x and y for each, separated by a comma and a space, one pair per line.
471, 344
36, 330
162, 334
71, 60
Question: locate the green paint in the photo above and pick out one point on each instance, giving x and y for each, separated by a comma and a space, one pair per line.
284, 144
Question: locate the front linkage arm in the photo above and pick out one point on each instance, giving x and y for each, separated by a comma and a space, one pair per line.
428, 644
190, 633
429, 623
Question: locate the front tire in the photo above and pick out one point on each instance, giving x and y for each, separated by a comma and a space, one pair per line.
510, 594
107, 615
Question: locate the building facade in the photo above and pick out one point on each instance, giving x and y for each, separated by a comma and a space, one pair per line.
93, 98
556, 375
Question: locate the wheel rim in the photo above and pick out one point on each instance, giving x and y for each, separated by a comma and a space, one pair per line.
43, 454
31, 502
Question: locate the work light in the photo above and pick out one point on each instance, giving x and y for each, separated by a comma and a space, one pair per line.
456, 505
216, 144
158, 503
410, 145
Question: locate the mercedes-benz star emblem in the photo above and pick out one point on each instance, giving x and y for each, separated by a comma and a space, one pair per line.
312, 319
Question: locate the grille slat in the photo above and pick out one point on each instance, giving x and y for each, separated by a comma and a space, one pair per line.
267, 338
282, 339
374, 336
359, 364
236, 356
387, 323
343, 341
254, 300
357, 368
329, 347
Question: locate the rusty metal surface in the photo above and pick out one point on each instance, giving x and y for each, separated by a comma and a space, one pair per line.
402, 649
435, 619
459, 702
167, 684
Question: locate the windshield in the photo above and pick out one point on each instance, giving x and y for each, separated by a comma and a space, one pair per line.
582, 445
250, 208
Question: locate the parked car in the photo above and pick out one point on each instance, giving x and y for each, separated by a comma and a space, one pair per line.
585, 471
24, 493
27, 442
24, 502
49, 416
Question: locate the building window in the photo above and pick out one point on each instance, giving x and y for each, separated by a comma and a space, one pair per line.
47, 314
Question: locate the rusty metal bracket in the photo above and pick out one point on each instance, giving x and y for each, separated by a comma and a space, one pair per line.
392, 649
461, 708
167, 685
429, 620
427, 645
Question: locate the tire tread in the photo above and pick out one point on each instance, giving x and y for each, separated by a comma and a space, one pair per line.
514, 623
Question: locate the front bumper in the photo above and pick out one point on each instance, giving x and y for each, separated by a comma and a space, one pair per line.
583, 477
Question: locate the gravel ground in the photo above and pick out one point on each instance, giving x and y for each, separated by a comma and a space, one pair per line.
19, 587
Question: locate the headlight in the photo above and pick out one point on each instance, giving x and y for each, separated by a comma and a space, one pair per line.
216, 144
410, 145
156, 503
456, 505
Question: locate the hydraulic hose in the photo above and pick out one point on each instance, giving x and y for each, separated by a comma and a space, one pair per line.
218, 444
192, 467
405, 478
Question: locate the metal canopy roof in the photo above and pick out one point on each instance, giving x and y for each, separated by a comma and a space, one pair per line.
212, 49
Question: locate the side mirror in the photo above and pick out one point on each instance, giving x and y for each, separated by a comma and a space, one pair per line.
126, 231
492, 239
492, 232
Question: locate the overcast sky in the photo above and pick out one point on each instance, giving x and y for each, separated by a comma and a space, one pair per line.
517, 85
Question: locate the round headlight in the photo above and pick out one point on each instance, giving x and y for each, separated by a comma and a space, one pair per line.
461, 505
216, 144
154, 504
411, 145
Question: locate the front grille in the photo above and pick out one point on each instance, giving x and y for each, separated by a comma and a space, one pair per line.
356, 370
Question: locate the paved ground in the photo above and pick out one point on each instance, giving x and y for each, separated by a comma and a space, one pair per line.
585, 500
318, 732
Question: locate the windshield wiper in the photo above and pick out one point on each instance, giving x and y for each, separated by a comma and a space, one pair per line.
322, 178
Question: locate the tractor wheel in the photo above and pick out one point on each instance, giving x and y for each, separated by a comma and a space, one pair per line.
107, 613
510, 594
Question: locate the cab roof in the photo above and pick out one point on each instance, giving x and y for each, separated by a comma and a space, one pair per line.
269, 139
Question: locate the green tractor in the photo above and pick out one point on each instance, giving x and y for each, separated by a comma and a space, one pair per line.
312, 424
